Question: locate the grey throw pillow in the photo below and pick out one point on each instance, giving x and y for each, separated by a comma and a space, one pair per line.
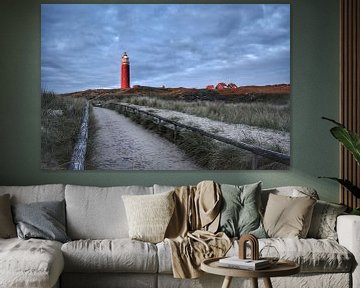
240, 213
44, 220
323, 222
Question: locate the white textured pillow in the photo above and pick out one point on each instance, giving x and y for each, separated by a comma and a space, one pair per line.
323, 222
149, 215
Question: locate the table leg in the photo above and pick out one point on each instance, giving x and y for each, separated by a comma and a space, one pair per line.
254, 282
267, 283
227, 282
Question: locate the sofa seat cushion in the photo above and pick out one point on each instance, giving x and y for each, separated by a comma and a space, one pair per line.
30, 263
115, 255
313, 255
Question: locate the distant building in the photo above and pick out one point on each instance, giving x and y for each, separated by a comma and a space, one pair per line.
210, 87
221, 86
125, 71
232, 85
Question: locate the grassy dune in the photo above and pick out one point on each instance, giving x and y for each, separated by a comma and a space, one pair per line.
264, 115
60, 124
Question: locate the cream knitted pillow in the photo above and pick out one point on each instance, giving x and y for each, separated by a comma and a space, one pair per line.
149, 215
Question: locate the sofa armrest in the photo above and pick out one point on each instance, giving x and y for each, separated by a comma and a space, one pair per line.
348, 230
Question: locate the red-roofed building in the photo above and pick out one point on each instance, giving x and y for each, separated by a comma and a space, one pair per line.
232, 85
221, 86
210, 87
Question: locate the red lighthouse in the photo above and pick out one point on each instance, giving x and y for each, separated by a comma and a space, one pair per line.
125, 71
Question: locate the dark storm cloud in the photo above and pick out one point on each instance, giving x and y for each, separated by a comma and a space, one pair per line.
171, 45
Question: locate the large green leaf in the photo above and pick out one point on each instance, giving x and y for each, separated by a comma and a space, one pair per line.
348, 138
348, 185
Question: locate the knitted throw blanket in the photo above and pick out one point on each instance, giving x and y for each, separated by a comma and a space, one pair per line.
191, 232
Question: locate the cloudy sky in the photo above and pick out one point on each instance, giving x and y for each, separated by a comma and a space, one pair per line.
172, 45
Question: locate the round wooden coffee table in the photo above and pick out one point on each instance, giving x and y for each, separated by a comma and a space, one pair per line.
281, 268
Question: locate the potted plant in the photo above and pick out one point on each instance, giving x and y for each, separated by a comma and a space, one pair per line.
351, 141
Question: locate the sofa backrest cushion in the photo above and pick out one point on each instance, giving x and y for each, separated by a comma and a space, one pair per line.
163, 188
291, 191
98, 212
36, 193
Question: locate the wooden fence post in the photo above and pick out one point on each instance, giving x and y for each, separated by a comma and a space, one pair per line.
78, 157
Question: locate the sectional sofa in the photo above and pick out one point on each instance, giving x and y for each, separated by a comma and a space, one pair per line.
99, 253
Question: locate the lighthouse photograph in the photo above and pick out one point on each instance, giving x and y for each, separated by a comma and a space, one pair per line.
165, 87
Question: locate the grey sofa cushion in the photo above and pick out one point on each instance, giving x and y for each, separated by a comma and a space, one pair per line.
44, 220
98, 213
35, 193
31, 263
117, 255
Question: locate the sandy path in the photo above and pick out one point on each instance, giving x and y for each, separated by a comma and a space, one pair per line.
121, 144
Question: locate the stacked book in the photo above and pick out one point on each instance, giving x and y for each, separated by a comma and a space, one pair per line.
248, 264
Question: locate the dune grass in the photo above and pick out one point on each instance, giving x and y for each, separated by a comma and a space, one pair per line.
60, 124
259, 114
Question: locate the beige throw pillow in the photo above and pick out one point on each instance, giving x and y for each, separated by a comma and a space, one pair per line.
288, 217
7, 226
149, 215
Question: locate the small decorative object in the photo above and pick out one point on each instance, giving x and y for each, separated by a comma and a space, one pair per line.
254, 246
270, 253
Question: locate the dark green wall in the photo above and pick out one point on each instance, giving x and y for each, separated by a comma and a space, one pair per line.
314, 79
